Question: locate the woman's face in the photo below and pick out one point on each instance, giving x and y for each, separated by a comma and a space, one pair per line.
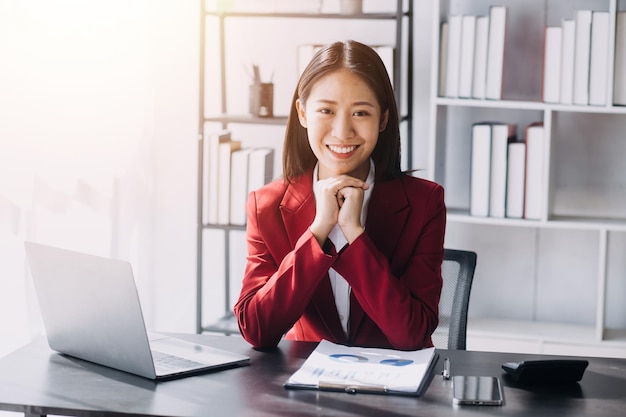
343, 119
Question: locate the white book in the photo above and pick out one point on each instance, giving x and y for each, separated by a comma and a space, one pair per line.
261, 170
466, 69
305, 53
480, 169
211, 173
501, 135
239, 185
619, 79
386, 53
535, 175
599, 59
495, 52
453, 60
581, 56
479, 75
515, 179
443, 55
552, 64
568, 41
225, 153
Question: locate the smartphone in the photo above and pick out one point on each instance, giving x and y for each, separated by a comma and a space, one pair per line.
476, 390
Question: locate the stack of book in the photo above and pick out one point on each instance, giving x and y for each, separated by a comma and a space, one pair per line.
231, 172
507, 171
576, 60
472, 55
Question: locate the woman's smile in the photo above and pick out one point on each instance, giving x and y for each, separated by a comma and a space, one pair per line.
343, 151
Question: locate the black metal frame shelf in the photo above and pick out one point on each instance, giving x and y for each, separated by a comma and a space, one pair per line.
402, 16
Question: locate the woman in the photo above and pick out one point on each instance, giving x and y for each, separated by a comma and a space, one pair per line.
345, 247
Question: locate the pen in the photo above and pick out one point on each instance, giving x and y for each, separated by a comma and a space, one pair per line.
445, 374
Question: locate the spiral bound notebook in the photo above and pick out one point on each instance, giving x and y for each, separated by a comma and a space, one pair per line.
335, 367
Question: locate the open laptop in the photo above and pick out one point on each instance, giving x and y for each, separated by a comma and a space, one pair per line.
90, 310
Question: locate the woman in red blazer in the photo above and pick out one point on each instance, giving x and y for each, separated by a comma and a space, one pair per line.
344, 247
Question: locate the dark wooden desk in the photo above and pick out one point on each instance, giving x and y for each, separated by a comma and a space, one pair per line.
36, 381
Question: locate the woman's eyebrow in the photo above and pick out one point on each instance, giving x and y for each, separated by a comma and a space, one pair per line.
356, 103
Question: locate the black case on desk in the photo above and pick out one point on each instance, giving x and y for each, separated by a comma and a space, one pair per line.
546, 371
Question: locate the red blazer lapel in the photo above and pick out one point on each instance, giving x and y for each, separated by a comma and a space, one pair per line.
387, 215
298, 210
388, 202
297, 207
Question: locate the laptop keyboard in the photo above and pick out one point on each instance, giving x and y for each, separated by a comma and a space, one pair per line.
165, 362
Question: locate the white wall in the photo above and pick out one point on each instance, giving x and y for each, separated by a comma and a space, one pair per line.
98, 129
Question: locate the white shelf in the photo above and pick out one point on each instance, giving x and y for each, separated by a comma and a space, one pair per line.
566, 269
542, 337
527, 105
573, 223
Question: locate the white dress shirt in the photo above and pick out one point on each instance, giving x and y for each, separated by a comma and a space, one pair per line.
341, 289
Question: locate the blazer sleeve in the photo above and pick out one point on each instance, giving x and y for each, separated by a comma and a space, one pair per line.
279, 280
402, 302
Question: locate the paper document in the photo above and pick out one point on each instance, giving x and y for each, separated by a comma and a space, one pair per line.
356, 369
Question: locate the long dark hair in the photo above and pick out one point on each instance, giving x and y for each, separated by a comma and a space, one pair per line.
365, 62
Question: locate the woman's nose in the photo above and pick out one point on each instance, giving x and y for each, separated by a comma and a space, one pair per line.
342, 127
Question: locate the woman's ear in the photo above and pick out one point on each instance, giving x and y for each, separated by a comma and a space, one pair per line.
301, 112
383, 120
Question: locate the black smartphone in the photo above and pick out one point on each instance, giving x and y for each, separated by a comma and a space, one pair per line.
476, 390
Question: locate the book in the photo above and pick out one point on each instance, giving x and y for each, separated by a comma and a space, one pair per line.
479, 75
495, 52
352, 369
239, 185
515, 179
387, 55
466, 68
568, 28
480, 169
535, 172
453, 59
501, 135
619, 79
599, 59
582, 45
261, 168
225, 151
552, 64
211, 174
304, 54
443, 48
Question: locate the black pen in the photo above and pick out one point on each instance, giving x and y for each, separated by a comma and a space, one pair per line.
445, 374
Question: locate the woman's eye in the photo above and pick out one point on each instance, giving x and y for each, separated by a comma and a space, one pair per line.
361, 113
325, 111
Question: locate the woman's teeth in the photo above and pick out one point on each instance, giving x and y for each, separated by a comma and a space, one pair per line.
341, 149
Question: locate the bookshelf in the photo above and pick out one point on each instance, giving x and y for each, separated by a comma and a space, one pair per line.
556, 284
218, 77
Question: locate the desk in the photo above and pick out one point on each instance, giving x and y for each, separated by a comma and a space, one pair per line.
36, 381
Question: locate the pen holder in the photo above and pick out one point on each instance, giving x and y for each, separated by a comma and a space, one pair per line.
262, 99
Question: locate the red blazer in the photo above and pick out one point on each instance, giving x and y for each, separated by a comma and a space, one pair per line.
394, 268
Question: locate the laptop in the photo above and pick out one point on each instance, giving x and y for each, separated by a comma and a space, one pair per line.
90, 310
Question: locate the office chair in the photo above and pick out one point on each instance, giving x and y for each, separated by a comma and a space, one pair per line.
457, 271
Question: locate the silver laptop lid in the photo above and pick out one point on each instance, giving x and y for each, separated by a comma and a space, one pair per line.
90, 308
